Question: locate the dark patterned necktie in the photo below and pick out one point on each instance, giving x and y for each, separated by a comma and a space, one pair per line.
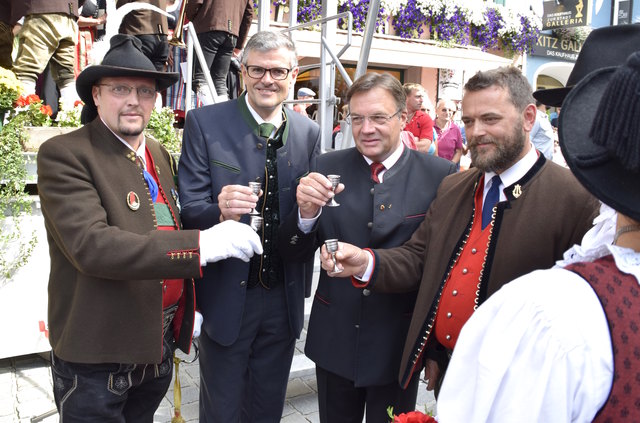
490, 201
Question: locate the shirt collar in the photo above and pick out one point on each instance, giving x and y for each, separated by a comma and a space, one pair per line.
276, 121
392, 159
140, 152
514, 173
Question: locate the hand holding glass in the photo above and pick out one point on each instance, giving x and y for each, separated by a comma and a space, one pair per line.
332, 247
335, 181
255, 189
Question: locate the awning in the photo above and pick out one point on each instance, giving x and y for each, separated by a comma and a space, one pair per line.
390, 51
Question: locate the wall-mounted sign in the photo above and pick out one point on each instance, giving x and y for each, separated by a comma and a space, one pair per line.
624, 11
556, 48
565, 13
450, 82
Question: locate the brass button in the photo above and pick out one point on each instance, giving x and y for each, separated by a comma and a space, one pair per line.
381, 206
259, 146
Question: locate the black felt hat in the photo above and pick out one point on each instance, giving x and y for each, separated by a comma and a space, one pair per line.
605, 153
604, 47
124, 58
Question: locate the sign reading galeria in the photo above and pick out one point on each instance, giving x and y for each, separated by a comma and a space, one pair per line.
565, 13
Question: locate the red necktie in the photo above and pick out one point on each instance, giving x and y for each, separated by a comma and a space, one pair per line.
376, 168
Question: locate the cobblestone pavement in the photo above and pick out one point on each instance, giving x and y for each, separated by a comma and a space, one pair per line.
26, 392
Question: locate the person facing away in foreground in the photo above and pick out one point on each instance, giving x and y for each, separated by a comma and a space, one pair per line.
485, 227
355, 336
253, 311
562, 344
121, 295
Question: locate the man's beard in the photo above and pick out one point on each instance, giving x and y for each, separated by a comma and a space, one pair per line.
503, 156
131, 131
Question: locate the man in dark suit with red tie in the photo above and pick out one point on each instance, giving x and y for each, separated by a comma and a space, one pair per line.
513, 213
355, 336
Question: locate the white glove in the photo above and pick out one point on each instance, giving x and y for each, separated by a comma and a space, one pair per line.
197, 323
228, 239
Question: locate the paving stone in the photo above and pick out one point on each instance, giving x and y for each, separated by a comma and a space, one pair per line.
294, 418
297, 387
288, 409
7, 407
305, 404
33, 408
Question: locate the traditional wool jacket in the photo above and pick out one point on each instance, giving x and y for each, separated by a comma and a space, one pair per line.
546, 212
108, 260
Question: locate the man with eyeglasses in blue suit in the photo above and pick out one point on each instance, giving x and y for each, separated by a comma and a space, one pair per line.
253, 312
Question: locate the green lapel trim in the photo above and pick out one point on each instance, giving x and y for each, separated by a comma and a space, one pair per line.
246, 114
253, 125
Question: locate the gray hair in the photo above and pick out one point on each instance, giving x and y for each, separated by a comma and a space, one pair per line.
509, 78
266, 41
385, 81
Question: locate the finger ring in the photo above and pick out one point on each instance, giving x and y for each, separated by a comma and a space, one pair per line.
228, 206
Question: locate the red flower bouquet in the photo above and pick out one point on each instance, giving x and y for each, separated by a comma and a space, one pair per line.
410, 417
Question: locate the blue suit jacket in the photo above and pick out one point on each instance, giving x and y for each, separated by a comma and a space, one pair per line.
221, 146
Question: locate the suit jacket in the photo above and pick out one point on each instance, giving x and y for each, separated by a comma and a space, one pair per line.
358, 334
30, 7
144, 22
108, 260
232, 16
546, 212
222, 146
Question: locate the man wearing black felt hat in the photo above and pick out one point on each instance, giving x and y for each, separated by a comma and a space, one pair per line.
562, 344
121, 297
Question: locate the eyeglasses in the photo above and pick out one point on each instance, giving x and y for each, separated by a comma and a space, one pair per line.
125, 90
257, 72
380, 120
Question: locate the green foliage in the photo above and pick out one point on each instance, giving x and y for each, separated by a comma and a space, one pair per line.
15, 247
160, 127
10, 89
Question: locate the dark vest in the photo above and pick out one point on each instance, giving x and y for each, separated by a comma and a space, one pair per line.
619, 295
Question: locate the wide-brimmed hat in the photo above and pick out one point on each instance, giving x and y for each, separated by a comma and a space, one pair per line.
604, 47
605, 153
124, 58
